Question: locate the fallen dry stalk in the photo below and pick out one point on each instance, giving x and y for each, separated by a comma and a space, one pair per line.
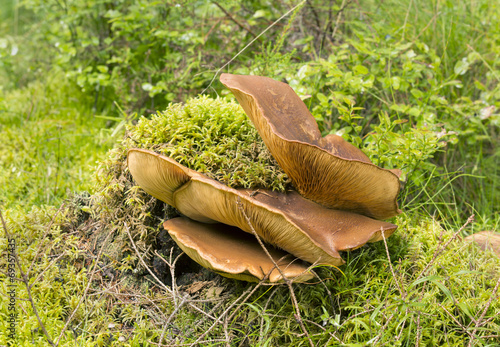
439, 251
487, 306
248, 293
167, 289
39, 251
401, 289
171, 266
25, 280
288, 282
93, 271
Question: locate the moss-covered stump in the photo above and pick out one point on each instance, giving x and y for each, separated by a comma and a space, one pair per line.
211, 136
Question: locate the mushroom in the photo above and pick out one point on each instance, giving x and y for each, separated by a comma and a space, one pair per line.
233, 253
327, 170
299, 226
486, 240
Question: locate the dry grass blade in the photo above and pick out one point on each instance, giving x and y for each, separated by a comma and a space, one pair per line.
401, 289
246, 293
171, 266
382, 329
483, 314
94, 269
25, 280
440, 250
234, 19
251, 42
458, 323
288, 282
167, 289
419, 331
39, 251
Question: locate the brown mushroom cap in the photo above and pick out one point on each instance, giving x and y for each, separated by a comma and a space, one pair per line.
299, 226
486, 240
328, 169
163, 177
233, 253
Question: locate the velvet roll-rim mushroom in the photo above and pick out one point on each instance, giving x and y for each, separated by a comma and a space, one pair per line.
297, 225
328, 170
233, 253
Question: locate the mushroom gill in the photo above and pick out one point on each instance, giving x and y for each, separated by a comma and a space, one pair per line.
233, 253
299, 226
327, 170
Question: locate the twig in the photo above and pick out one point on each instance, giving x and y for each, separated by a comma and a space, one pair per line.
218, 320
25, 280
382, 330
261, 329
316, 17
250, 43
401, 289
48, 267
432, 20
456, 321
478, 322
439, 251
406, 19
339, 14
94, 270
402, 326
167, 289
288, 282
233, 19
419, 331
44, 237
204, 343
171, 265
167, 322
207, 34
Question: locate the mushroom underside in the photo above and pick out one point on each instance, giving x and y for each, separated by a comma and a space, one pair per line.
299, 226
328, 170
234, 253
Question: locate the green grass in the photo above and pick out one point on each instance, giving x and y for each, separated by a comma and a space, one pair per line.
394, 79
51, 139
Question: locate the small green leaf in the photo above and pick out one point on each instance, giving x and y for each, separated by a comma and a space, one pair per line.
395, 82
461, 67
360, 70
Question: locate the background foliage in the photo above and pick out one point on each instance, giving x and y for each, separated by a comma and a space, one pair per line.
414, 83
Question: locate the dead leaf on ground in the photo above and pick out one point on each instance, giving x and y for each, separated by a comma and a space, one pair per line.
197, 286
214, 292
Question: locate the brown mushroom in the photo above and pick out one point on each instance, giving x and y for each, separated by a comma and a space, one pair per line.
233, 253
486, 240
301, 227
163, 177
328, 169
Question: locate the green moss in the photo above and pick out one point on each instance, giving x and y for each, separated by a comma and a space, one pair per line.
214, 137
211, 136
